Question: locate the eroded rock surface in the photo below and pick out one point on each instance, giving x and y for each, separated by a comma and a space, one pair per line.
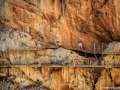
53, 56
15, 40
53, 78
26, 24
59, 78
113, 47
109, 79
113, 54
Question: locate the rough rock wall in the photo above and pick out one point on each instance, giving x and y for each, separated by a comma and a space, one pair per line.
31, 23
59, 78
93, 20
111, 59
60, 56
53, 78
109, 79
113, 56
43, 20
113, 47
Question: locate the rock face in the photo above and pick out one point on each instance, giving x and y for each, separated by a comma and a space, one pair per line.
59, 78
53, 78
94, 21
59, 56
44, 21
113, 50
113, 47
109, 79
14, 40
34, 24
111, 60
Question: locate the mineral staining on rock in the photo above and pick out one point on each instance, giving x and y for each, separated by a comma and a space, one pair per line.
112, 58
59, 78
44, 21
53, 78
27, 25
15, 40
56, 56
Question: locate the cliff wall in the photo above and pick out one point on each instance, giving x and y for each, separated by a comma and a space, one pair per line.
33, 24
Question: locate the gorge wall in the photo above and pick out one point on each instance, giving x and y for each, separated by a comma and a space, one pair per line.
28, 78
93, 20
29, 24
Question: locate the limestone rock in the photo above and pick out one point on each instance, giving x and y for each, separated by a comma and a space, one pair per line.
52, 78
56, 56
113, 47
26, 24
112, 58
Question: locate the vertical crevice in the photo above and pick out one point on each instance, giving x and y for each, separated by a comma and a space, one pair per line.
38, 3
61, 9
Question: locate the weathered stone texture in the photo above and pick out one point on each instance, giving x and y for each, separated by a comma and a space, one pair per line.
28, 24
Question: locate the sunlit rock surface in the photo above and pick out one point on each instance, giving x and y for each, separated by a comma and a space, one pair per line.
44, 20
53, 56
59, 78
94, 21
109, 79
113, 56
52, 78
15, 40
113, 47
33, 24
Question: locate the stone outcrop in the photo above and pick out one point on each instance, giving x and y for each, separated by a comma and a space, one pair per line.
44, 21
69, 19
54, 56
28, 25
113, 47
15, 40
111, 59
59, 78
53, 78
109, 79
113, 50
95, 21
